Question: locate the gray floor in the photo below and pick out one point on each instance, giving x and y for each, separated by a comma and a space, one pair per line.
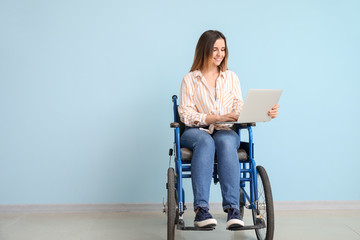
319, 224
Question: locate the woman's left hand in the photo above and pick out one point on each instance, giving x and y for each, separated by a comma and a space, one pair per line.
274, 111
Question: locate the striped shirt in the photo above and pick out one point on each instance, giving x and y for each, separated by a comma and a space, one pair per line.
197, 101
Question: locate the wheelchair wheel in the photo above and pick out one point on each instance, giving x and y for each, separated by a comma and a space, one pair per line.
242, 204
171, 205
265, 204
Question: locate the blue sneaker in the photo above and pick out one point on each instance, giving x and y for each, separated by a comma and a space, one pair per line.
204, 219
234, 220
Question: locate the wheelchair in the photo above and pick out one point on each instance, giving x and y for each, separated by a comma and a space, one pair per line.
255, 189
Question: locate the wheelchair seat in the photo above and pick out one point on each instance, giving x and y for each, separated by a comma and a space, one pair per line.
186, 155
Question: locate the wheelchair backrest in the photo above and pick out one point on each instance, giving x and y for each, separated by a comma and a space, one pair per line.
176, 115
182, 125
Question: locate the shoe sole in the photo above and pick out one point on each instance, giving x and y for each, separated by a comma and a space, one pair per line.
206, 223
234, 223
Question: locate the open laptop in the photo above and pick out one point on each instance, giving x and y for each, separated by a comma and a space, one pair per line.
257, 104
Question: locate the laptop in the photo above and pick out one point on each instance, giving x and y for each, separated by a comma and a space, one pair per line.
257, 104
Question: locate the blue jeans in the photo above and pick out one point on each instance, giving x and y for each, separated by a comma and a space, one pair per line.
223, 143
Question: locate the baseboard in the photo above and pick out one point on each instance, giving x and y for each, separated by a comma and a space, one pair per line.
103, 207
158, 207
317, 205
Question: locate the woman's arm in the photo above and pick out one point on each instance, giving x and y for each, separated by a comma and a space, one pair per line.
230, 117
237, 101
187, 110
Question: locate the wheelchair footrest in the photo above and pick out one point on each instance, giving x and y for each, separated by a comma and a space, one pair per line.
181, 226
260, 223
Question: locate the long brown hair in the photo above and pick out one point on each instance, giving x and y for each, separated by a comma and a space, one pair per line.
204, 50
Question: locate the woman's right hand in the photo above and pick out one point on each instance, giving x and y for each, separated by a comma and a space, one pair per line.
230, 117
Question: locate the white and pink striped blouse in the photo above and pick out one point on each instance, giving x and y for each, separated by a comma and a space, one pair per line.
197, 100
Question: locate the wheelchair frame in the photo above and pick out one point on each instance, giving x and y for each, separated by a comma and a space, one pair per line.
249, 173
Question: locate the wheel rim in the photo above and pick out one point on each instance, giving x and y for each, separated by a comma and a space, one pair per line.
261, 206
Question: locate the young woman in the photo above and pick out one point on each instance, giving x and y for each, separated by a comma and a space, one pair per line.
211, 93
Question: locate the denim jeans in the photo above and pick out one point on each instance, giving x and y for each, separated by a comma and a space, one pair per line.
223, 143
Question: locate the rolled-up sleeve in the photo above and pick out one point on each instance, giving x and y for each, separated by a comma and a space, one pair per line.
238, 100
187, 109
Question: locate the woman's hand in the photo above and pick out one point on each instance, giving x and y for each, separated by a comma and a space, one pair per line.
274, 111
230, 117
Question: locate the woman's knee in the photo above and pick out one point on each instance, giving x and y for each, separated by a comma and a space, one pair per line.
198, 138
226, 139
205, 140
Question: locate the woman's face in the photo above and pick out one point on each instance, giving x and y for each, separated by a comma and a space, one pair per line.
218, 52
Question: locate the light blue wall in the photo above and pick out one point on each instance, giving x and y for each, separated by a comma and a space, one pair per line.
86, 86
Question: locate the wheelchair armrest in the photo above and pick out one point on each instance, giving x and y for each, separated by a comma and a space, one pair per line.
244, 125
174, 125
